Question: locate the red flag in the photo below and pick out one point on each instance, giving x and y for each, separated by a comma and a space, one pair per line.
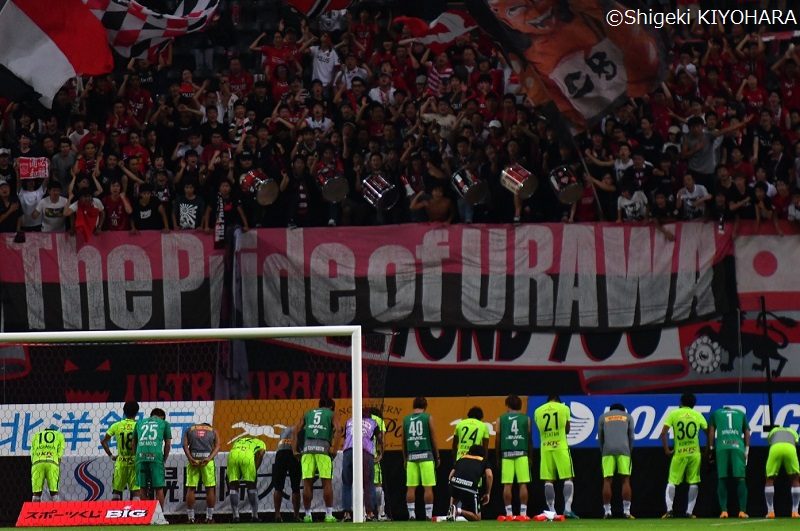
312, 8
442, 31
44, 47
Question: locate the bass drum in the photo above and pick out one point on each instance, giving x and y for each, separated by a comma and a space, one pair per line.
257, 184
468, 186
519, 181
379, 192
334, 189
565, 185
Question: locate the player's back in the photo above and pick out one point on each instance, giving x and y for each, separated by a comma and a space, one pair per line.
150, 436
551, 419
616, 428
201, 439
686, 424
123, 433
469, 432
729, 427
47, 446
319, 424
780, 434
515, 432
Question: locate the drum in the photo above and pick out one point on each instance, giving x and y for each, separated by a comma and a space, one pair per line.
565, 185
519, 181
264, 189
334, 188
468, 186
379, 192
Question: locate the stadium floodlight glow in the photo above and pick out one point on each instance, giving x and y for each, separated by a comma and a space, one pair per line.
354, 332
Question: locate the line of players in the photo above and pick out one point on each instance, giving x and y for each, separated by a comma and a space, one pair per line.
143, 447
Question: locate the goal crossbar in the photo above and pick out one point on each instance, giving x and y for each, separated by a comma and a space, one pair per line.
354, 332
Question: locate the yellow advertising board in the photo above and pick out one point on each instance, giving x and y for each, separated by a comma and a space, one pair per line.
267, 418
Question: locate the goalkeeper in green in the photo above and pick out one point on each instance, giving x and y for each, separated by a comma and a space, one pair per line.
125, 461
47, 448
729, 444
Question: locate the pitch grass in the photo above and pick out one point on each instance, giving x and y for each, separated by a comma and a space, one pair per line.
587, 524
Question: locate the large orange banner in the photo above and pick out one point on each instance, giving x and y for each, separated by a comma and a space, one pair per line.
267, 418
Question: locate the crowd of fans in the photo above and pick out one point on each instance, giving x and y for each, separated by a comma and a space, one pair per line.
349, 97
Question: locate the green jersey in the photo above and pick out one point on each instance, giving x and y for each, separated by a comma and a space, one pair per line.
318, 431
469, 432
249, 445
686, 424
551, 418
417, 437
47, 446
150, 436
515, 434
729, 428
122, 433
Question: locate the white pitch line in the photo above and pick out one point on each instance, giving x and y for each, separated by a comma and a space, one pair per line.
743, 522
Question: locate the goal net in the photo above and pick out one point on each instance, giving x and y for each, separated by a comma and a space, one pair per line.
245, 382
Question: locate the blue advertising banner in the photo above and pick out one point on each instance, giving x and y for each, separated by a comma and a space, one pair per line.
650, 411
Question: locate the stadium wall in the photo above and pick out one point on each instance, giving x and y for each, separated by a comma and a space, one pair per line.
86, 471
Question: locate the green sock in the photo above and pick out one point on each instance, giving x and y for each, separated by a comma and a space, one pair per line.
722, 493
741, 490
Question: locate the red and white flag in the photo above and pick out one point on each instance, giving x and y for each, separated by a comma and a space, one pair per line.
43, 44
442, 31
133, 28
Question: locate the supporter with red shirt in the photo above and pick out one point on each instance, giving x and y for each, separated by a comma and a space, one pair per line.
134, 148
117, 209
274, 55
364, 31
787, 71
138, 101
439, 73
751, 55
122, 121
752, 95
241, 81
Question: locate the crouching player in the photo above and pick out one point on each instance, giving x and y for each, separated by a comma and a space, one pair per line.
465, 485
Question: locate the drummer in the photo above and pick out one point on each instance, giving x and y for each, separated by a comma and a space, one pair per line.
328, 167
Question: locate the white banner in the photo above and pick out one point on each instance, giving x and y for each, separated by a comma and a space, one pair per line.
86, 479
85, 424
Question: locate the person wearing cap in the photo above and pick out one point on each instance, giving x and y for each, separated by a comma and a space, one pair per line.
350, 71
51, 209
10, 211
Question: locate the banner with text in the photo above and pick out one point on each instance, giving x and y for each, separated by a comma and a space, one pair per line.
547, 276
650, 411
113, 281
85, 424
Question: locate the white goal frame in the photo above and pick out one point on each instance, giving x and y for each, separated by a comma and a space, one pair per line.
353, 331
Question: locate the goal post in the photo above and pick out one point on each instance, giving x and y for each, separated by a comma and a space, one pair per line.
145, 336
